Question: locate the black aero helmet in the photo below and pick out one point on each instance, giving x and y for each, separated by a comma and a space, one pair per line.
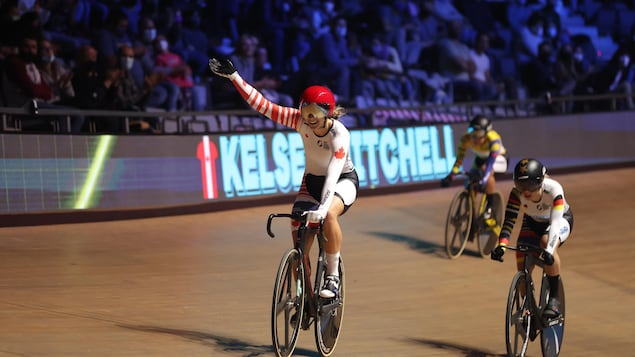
480, 125
529, 174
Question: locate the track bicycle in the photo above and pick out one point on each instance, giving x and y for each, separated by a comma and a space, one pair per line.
466, 221
524, 316
296, 301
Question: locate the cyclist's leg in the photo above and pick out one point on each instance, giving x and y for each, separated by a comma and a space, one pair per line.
303, 203
332, 247
500, 166
345, 195
529, 234
333, 232
559, 232
307, 199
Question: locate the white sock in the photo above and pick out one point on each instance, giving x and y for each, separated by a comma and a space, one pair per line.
332, 264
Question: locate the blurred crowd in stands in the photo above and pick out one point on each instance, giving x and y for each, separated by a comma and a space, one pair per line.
137, 55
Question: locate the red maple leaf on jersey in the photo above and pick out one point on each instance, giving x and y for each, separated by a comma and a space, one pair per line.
339, 154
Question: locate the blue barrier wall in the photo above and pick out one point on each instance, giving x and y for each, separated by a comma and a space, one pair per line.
48, 173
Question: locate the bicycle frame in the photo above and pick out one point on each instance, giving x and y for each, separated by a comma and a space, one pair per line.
533, 310
471, 187
465, 218
296, 297
529, 262
310, 291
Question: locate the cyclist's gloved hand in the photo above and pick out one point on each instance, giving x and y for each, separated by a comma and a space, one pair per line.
224, 68
315, 216
445, 182
547, 257
498, 252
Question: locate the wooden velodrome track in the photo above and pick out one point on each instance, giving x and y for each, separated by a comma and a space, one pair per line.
201, 284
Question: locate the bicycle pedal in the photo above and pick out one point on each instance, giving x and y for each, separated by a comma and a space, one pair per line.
554, 321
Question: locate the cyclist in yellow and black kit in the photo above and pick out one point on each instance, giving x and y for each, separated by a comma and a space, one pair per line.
490, 156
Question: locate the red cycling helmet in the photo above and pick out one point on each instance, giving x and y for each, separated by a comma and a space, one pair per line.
319, 95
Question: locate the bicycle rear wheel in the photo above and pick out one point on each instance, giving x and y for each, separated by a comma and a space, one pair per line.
517, 318
288, 303
458, 223
328, 320
488, 240
553, 331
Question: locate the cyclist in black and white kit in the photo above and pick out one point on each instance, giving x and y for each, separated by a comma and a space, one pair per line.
330, 184
546, 221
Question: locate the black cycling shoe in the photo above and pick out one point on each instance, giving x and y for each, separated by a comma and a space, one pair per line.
552, 310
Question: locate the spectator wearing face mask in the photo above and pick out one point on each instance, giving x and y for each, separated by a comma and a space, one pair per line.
338, 65
132, 89
24, 75
26, 87
144, 43
111, 37
164, 94
616, 77
190, 41
584, 69
177, 72
55, 73
552, 25
530, 37
383, 74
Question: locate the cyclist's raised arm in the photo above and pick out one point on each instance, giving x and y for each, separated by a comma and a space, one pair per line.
286, 116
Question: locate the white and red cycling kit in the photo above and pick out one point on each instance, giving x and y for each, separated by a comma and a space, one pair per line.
329, 170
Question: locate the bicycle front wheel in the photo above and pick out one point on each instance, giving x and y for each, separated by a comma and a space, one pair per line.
553, 331
328, 320
288, 303
517, 318
458, 224
488, 240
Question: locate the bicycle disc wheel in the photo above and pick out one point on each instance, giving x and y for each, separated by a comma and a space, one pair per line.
288, 303
488, 240
517, 318
328, 320
553, 331
458, 224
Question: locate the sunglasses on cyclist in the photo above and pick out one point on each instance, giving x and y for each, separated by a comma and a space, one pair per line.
531, 188
313, 110
476, 134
